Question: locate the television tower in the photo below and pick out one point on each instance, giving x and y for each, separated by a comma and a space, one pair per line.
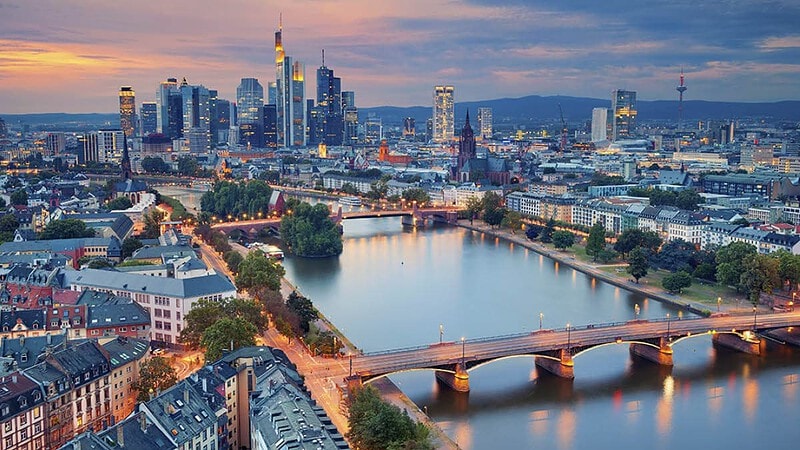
681, 89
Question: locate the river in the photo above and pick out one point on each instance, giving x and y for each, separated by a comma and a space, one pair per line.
393, 287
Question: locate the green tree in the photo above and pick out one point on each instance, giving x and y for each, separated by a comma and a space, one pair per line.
562, 239
494, 217
491, 200
155, 375
730, 263
233, 259
304, 309
546, 235
152, 224
66, 229
637, 263
418, 195
677, 282
257, 271
632, 238
119, 203
154, 164
596, 242
310, 232
760, 273
688, 199
8, 225
676, 255
377, 425
741, 221
788, 268
100, 263
227, 333
130, 245
188, 166
19, 197
512, 220
474, 208
204, 313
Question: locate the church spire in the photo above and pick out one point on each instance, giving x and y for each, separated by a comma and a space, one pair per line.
467, 124
127, 172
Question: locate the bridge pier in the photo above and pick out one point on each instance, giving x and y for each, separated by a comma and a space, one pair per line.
749, 343
661, 355
561, 368
458, 381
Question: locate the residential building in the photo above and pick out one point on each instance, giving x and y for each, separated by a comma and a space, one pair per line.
125, 356
22, 413
185, 416
734, 184
687, 226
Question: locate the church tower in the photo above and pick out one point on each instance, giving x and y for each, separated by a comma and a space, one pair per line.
127, 171
466, 146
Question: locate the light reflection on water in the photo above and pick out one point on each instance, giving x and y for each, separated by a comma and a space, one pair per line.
392, 288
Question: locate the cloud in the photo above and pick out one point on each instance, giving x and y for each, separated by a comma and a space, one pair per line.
780, 43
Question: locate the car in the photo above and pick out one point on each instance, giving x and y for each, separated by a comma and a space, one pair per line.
158, 351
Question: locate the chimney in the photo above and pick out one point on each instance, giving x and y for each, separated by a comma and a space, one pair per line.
120, 436
14, 378
186, 394
205, 385
142, 421
22, 341
49, 339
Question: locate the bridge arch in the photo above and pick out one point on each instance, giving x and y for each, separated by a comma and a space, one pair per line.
595, 347
709, 333
369, 379
521, 355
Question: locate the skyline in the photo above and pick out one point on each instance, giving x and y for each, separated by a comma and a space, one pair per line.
730, 51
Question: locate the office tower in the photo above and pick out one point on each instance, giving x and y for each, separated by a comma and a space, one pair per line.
174, 129
289, 96
329, 102
3, 129
485, 122
272, 89
373, 130
270, 126
409, 127
89, 146
149, 118
350, 118
166, 90
55, 144
249, 100
220, 113
429, 129
315, 125
623, 105
127, 110
443, 104
196, 116
601, 119
110, 146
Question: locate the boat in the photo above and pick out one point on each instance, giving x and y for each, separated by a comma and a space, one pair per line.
350, 201
273, 251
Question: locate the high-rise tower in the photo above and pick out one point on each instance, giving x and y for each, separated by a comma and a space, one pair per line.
290, 100
127, 110
485, 122
623, 105
443, 114
681, 89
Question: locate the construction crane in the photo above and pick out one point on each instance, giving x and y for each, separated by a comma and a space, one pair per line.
562, 147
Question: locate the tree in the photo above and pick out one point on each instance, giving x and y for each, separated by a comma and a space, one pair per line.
563, 239
676, 282
257, 270
233, 259
152, 224
494, 217
19, 197
100, 263
8, 225
129, 246
596, 242
66, 229
474, 208
155, 375
154, 164
677, 255
760, 273
119, 203
377, 425
304, 309
688, 199
637, 263
788, 267
546, 235
632, 238
188, 166
532, 231
741, 221
310, 232
227, 333
512, 220
730, 263
417, 194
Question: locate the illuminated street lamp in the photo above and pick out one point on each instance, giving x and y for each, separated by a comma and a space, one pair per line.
541, 317
636, 311
719, 302
441, 332
755, 316
569, 336
668, 324
463, 349
351, 364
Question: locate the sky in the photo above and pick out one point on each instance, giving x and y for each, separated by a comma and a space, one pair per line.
73, 55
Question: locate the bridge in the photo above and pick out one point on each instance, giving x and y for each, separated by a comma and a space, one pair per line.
416, 217
555, 350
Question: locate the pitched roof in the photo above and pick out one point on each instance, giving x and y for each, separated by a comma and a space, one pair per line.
172, 287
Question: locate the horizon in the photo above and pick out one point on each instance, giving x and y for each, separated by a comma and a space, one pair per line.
485, 48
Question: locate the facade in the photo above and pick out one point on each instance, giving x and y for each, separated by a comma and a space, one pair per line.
127, 110
688, 227
290, 97
737, 185
249, 101
443, 114
329, 100
485, 126
600, 124
148, 117
22, 413
623, 106
169, 113
125, 357
195, 103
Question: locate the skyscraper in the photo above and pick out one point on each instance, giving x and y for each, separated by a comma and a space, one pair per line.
409, 127
165, 91
127, 110
220, 113
485, 122
249, 100
149, 118
289, 96
196, 116
600, 122
350, 115
623, 104
270, 127
329, 100
443, 114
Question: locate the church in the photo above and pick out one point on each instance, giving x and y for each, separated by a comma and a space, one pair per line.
129, 187
470, 168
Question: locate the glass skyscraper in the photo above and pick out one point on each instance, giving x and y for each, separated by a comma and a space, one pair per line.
443, 114
127, 110
623, 105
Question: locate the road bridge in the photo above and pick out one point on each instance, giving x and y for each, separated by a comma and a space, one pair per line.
555, 350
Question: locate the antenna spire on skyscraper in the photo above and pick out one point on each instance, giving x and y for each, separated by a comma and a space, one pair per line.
681, 89
323, 57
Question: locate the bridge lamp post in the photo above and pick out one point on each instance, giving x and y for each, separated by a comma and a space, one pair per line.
441, 332
463, 349
755, 317
541, 317
636, 311
569, 336
669, 321
351, 364
719, 302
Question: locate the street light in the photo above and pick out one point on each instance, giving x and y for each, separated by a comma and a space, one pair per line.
441, 332
636, 311
668, 324
541, 317
462, 349
755, 316
719, 302
351, 364
569, 336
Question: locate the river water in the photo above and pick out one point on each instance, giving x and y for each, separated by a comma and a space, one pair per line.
393, 287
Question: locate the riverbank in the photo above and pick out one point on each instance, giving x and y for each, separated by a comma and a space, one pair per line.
596, 271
